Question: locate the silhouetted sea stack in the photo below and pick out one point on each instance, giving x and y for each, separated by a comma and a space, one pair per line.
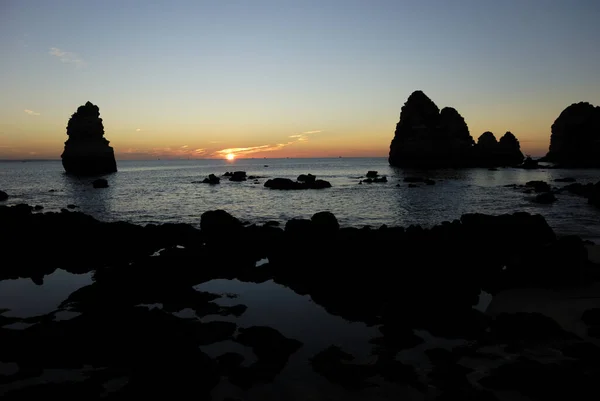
87, 151
575, 140
429, 138
492, 153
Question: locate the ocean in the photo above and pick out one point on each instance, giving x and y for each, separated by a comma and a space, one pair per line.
161, 191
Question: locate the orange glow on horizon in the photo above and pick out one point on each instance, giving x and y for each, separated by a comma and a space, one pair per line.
230, 156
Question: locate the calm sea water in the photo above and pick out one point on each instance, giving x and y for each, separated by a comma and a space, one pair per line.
162, 191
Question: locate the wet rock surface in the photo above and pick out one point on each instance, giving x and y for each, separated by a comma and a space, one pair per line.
141, 322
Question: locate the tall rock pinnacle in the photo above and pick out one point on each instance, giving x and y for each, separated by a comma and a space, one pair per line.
86, 151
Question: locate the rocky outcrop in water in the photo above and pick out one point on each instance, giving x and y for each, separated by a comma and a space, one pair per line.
86, 151
304, 181
429, 138
488, 152
426, 137
575, 139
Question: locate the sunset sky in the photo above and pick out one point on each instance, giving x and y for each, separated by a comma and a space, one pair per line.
279, 78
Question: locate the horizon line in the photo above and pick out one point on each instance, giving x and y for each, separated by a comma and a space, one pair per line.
213, 158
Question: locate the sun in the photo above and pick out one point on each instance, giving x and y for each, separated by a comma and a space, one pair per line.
230, 156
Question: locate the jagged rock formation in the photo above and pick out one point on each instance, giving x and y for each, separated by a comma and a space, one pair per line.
87, 151
575, 139
427, 137
492, 153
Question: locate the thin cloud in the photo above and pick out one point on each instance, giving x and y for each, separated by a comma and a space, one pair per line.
250, 150
301, 137
182, 152
304, 135
67, 57
31, 112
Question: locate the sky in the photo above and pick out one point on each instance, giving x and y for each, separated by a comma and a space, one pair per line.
279, 78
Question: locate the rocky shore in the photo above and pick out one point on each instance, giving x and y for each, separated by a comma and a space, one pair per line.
401, 281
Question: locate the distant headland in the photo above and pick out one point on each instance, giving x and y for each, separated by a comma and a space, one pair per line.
87, 151
429, 138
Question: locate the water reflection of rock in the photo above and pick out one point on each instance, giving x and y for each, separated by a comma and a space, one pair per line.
81, 192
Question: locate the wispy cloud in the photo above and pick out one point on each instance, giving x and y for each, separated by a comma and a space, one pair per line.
249, 150
138, 129
31, 112
301, 137
67, 57
182, 152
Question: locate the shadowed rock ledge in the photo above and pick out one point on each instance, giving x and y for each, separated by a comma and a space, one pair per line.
86, 151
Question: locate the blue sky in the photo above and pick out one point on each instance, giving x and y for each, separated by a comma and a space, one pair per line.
194, 78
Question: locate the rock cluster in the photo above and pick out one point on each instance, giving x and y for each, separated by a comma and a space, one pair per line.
86, 151
304, 181
373, 176
575, 139
492, 153
427, 137
236, 176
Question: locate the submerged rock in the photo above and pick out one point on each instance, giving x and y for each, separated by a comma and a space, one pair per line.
272, 349
100, 183
86, 151
211, 179
545, 198
238, 176
3, 196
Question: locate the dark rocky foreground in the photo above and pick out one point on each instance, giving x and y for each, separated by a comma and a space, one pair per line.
396, 279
